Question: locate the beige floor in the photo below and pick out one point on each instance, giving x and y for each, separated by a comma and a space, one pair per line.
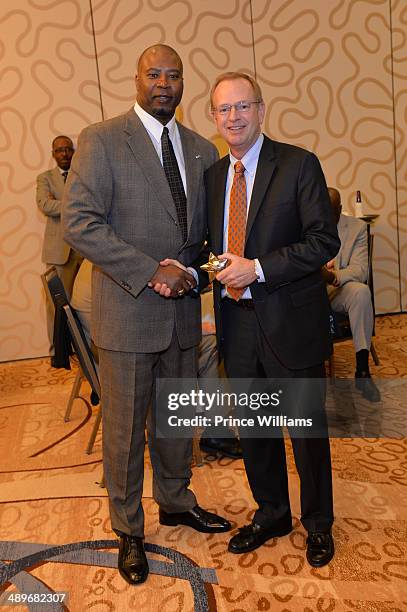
49, 496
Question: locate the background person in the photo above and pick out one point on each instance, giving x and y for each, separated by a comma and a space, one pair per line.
55, 251
135, 197
346, 277
269, 215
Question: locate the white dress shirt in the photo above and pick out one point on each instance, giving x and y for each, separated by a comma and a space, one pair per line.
155, 130
249, 161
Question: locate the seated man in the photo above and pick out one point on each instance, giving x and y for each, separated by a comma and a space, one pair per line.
348, 293
81, 299
208, 367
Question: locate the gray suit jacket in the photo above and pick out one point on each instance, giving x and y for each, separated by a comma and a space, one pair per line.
351, 263
54, 249
119, 213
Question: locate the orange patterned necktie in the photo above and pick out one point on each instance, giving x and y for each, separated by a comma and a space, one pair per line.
237, 220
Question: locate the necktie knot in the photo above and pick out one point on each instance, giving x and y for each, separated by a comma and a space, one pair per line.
64, 175
239, 168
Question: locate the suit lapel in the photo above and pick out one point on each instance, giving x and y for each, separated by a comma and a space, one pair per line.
266, 167
343, 232
217, 203
146, 156
193, 170
58, 182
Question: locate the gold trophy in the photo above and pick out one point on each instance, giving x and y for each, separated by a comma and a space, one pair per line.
214, 264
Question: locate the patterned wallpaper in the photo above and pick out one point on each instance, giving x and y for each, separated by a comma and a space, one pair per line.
332, 74
398, 215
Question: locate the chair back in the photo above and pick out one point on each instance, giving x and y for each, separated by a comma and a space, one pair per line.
58, 296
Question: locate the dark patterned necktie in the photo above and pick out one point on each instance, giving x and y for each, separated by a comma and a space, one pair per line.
237, 220
174, 179
64, 175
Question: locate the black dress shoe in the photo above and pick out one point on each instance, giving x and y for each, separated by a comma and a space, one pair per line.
53, 362
227, 447
320, 548
133, 564
197, 518
365, 384
252, 536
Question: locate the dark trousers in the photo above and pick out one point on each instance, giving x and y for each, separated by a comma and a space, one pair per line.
247, 354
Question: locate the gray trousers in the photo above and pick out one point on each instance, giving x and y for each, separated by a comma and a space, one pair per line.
354, 299
128, 385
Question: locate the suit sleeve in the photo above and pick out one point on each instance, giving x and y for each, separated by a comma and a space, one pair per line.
356, 270
319, 240
50, 207
87, 203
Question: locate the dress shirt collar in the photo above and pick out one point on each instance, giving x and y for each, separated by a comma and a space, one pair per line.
152, 124
250, 159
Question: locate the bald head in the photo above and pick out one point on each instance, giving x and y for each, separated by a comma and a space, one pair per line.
335, 198
156, 49
159, 82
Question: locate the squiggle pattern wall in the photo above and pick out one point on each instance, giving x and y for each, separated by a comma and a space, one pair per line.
333, 74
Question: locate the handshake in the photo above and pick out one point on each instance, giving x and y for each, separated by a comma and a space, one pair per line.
172, 279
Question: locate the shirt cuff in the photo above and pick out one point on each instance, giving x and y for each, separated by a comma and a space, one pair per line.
259, 271
195, 275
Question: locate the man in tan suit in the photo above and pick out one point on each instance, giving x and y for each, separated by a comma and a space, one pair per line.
135, 196
348, 292
55, 252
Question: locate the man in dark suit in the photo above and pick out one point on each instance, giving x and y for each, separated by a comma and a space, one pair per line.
270, 217
135, 196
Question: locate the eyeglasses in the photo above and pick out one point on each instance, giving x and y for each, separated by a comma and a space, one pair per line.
64, 150
241, 107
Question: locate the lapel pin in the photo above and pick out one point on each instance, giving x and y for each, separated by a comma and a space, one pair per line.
197, 156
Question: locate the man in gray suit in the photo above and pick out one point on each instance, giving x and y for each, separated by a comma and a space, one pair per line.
55, 252
135, 197
348, 292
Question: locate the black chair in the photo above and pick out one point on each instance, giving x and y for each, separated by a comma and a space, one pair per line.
69, 331
340, 323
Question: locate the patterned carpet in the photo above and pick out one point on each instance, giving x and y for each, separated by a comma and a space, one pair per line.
55, 532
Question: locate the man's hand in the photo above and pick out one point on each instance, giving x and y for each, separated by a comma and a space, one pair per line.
162, 288
239, 273
329, 276
51, 196
172, 280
